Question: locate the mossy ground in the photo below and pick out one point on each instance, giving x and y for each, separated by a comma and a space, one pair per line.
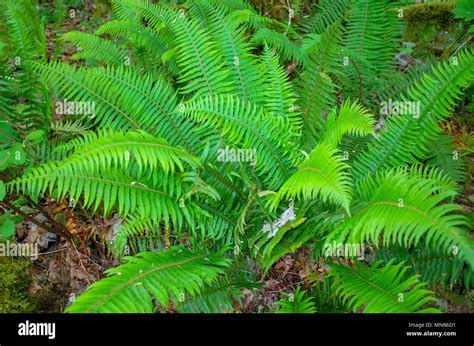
15, 281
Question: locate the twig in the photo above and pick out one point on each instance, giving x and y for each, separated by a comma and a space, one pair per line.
33, 220
54, 251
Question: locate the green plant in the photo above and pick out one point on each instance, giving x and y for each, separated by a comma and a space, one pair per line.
219, 145
296, 303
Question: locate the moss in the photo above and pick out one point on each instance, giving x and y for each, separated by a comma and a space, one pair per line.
435, 12
15, 280
427, 24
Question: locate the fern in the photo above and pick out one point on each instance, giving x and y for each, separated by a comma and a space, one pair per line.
148, 45
381, 289
320, 74
405, 137
221, 297
404, 209
95, 50
279, 97
370, 43
443, 154
135, 234
246, 126
289, 50
23, 40
433, 266
236, 51
105, 172
352, 119
296, 303
163, 276
322, 175
200, 62
326, 13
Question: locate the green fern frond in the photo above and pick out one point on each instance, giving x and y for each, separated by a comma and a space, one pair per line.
119, 171
200, 61
133, 233
443, 154
287, 49
221, 297
326, 13
59, 13
23, 29
246, 126
373, 32
381, 289
122, 150
142, 39
405, 137
231, 41
94, 49
69, 128
433, 266
396, 207
296, 303
351, 119
123, 99
279, 97
319, 74
163, 276
323, 175
22, 40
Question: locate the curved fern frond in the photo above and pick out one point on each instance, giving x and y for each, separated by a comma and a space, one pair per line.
381, 289
323, 175
296, 303
121, 150
123, 99
351, 119
397, 207
120, 171
163, 276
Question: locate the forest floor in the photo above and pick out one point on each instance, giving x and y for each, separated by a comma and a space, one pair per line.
66, 267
